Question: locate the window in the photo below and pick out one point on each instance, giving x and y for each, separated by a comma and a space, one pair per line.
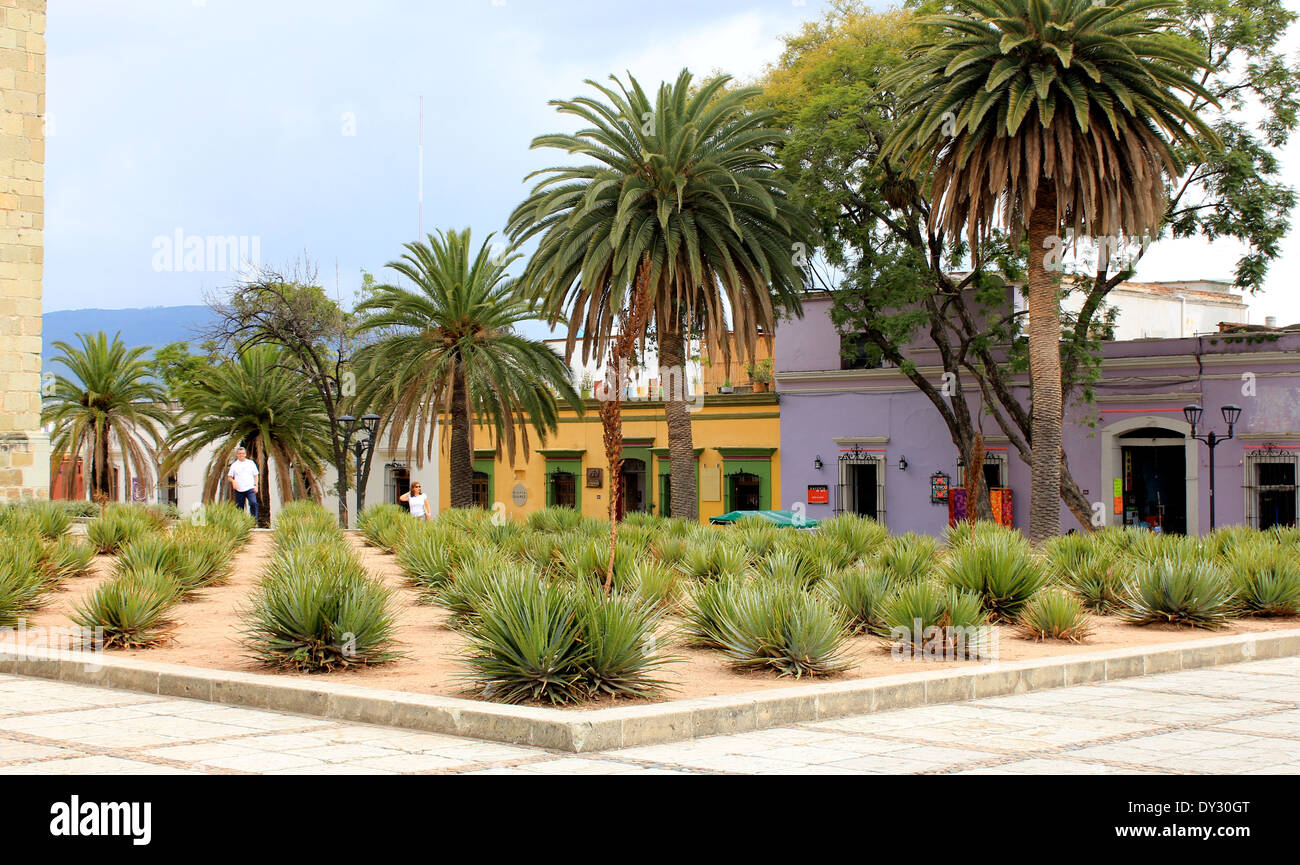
1269, 477
858, 352
482, 490
563, 492
995, 472
861, 488
744, 491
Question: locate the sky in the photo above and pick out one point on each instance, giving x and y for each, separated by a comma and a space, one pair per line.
293, 127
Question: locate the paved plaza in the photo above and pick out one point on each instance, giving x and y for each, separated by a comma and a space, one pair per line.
1240, 719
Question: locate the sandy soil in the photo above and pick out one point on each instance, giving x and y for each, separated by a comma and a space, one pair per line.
208, 629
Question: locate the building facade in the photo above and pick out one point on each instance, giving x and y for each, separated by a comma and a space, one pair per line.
867, 441
737, 461
24, 447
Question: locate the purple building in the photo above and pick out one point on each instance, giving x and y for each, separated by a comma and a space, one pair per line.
867, 441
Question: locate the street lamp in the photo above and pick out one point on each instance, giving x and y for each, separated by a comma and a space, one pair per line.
1230, 415
364, 430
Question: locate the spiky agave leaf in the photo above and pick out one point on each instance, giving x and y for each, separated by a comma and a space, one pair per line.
1265, 578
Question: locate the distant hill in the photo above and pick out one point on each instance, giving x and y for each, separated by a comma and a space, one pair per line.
153, 326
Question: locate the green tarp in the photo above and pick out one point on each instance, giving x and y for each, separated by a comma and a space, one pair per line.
779, 518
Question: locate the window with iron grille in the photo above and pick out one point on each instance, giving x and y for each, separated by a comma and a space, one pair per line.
995, 472
861, 487
1269, 477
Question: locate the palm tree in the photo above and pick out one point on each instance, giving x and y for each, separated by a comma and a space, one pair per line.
259, 402
449, 348
1039, 116
111, 400
677, 220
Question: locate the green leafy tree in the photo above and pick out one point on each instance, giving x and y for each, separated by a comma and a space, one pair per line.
256, 401
448, 348
675, 219
292, 311
899, 278
109, 401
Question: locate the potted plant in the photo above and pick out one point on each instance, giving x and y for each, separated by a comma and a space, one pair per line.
760, 374
726, 386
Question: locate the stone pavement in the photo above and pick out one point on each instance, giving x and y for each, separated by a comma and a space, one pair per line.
1240, 719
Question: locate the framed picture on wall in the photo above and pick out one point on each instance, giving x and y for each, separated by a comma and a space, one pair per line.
595, 478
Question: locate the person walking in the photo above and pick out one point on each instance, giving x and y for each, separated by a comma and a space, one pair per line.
243, 480
418, 501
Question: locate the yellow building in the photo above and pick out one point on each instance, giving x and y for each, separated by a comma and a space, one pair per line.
736, 439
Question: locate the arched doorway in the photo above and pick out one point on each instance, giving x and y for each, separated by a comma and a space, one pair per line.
1149, 474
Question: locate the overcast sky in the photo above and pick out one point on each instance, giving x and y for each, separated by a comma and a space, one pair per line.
294, 125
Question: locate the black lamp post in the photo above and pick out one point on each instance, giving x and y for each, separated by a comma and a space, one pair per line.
1230, 415
364, 430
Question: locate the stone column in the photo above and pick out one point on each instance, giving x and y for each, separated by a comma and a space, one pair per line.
24, 447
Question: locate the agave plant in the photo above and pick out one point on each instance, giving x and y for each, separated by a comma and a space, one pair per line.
910, 557
936, 619
776, 626
115, 527
859, 536
131, 610
554, 519
429, 555
1055, 614
859, 593
1265, 578
23, 579
1179, 589
1096, 579
1002, 569
316, 609
230, 521
466, 592
527, 643
70, 558
1065, 553
712, 603
654, 583
384, 526
620, 646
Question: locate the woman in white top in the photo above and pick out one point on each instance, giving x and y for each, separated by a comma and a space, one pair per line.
418, 501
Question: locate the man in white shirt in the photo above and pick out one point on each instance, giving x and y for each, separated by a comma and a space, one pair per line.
243, 480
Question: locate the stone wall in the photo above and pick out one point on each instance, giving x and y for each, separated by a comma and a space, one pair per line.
24, 448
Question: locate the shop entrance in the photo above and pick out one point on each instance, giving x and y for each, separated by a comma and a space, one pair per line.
1154, 467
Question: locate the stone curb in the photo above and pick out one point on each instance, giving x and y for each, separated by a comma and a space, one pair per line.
645, 724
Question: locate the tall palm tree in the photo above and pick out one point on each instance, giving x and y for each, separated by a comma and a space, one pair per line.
258, 402
110, 400
448, 348
1039, 116
676, 220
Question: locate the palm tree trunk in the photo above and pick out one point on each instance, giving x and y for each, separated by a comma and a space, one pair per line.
1044, 373
103, 471
681, 445
263, 484
611, 410
461, 461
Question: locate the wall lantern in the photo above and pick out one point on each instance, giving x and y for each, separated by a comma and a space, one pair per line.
902, 464
817, 462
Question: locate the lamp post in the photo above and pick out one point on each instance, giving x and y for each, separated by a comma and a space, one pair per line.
364, 430
1230, 415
